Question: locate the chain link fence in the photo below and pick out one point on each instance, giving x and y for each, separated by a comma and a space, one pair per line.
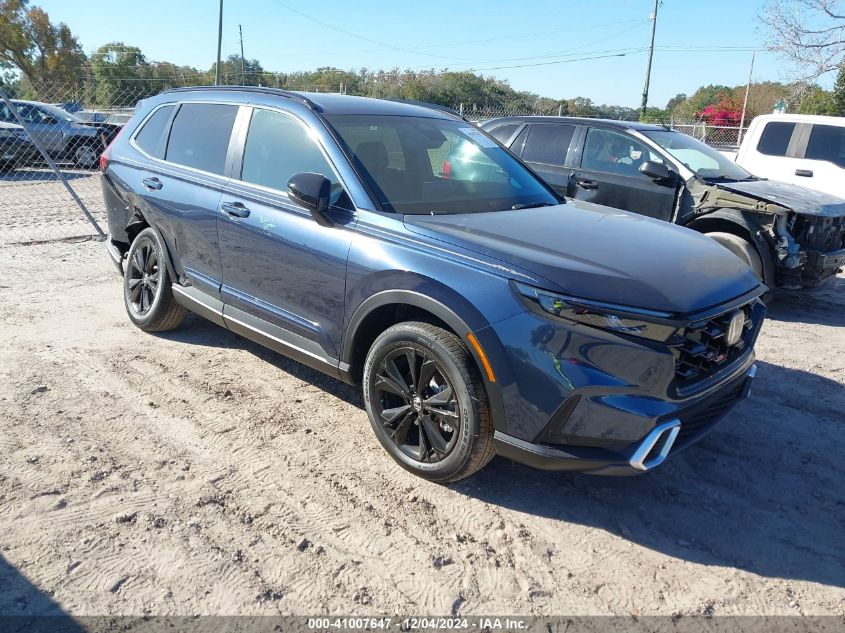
51, 138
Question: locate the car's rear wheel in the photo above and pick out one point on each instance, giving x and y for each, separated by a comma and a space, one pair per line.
86, 156
427, 403
742, 248
147, 289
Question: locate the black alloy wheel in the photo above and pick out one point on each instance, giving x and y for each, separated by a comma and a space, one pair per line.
143, 277
416, 404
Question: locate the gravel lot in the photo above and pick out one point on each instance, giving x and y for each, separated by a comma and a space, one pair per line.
197, 473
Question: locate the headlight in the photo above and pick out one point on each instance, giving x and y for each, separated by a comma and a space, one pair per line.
605, 316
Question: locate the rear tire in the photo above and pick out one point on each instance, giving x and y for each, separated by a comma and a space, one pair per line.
742, 248
426, 402
147, 291
85, 156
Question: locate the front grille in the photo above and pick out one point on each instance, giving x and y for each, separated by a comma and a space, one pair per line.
708, 412
701, 349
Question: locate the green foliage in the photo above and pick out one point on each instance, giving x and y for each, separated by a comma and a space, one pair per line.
838, 97
45, 53
816, 101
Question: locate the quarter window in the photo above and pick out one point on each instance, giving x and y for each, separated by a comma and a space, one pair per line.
616, 153
503, 133
278, 147
199, 137
548, 143
151, 137
827, 142
774, 141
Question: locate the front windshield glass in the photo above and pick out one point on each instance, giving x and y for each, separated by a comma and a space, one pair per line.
703, 160
417, 165
58, 113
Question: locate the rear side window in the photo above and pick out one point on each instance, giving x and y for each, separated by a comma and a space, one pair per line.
774, 141
199, 137
548, 143
827, 142
503, 133
151, 137
277, 147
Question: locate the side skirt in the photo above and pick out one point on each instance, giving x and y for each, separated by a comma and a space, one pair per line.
255, 329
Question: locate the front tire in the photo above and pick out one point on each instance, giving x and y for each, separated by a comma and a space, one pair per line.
147, 291
742, 248
426, 402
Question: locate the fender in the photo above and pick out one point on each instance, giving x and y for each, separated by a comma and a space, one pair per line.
750, 222
445, 314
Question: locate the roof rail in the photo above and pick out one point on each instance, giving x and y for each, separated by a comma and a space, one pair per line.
296, 96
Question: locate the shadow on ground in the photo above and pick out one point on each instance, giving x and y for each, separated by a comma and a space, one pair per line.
24, 607
823, 306
43, 175
763, 493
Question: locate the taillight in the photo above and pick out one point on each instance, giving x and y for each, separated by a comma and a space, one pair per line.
446, 170
105, 157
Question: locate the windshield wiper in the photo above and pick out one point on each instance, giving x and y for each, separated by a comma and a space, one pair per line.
531, 205
730, 179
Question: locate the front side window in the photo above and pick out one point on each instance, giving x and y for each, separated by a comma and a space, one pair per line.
827, 142
548, 143
774, 141
704, 161
419, 165
616, 153
199, 136
151, 136
278, 147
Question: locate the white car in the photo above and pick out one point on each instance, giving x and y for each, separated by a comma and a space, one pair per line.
801, 149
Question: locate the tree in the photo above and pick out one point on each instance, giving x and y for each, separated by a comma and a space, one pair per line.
45, 53
815, 100
675, 101
122, 75
838, 98
808, 33
727, 112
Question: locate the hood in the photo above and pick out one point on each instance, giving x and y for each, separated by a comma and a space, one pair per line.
604, 254
799, 199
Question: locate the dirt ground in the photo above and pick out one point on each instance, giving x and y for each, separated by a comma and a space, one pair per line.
197, 473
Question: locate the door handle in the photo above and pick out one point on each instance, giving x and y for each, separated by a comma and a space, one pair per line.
235, 209
586, 184
153, 184
807, 173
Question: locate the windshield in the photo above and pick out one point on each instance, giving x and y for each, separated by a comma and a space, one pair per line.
59, 113
703, 160
417, 165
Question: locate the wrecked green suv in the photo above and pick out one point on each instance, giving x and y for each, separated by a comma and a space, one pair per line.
792, 237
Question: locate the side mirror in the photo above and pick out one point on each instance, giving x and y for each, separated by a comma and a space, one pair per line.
658, 171
313, 192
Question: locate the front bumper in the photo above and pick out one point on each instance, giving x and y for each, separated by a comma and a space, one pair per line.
821, 266
668, 436
575, 397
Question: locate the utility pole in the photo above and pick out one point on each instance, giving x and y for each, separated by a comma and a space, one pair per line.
219, 45
745, 101
243, 61
650, 57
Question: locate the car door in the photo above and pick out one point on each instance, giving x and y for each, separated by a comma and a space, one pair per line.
821, 162
546, 148
609, 174
773, 151
181, 184
284, 275
43, 128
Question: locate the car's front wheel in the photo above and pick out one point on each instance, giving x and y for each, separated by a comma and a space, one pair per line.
426, 402
742, 248
147, 291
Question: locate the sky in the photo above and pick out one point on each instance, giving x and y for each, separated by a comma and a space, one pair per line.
557, 49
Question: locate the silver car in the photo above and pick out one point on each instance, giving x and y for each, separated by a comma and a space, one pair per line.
63, 135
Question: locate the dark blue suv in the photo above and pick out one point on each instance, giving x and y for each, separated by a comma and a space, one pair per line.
481, 314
